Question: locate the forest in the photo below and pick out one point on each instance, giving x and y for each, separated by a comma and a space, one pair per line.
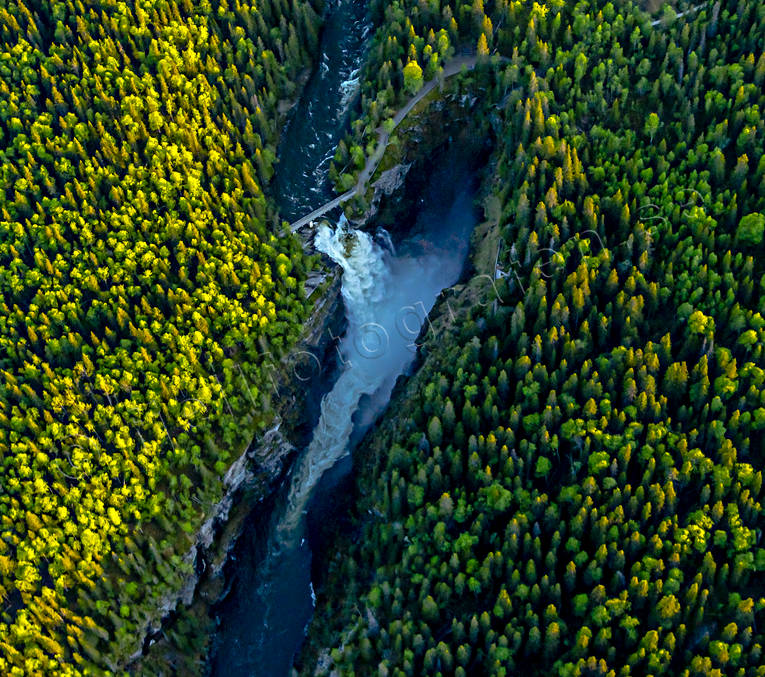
571, 481
576, 485
144, 278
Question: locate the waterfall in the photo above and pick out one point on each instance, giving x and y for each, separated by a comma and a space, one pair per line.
387, 298
365, 274
387, 294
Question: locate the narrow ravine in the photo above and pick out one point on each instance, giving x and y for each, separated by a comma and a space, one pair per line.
387, 295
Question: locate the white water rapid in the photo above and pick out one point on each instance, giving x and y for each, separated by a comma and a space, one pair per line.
362, 350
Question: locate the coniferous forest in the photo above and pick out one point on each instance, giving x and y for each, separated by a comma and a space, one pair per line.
576, 488
568, 481
143, 275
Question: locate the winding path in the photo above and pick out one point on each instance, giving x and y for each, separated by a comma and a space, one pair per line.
679, 15
452, 67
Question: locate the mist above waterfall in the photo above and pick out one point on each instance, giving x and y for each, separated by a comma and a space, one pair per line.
387, 298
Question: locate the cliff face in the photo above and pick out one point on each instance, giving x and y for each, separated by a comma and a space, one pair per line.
248, 484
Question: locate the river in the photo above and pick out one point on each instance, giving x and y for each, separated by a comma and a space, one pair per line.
320, 118
387, 292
